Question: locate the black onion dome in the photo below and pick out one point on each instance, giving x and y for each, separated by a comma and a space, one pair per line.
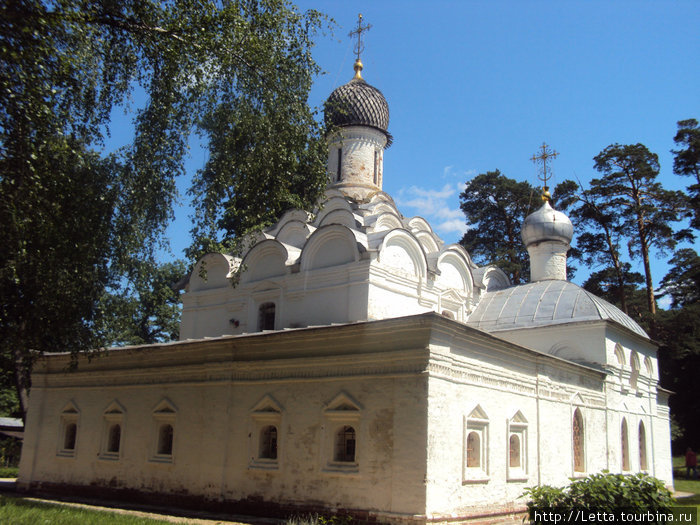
358, 104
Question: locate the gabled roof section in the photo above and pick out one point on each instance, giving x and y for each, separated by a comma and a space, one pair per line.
545, 303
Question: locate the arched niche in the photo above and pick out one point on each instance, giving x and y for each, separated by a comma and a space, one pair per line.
212, 271
344, 217
454, 272
619, 355
266, 259
567, 350
331, 245
295, 233
387, 221
402, 250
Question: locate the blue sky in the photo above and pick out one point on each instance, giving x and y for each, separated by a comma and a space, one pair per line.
474, 86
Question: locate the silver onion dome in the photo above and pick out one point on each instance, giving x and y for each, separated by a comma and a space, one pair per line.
546, 224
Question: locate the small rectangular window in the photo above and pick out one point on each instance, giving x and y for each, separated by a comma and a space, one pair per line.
266, 316
340, 163
376, 167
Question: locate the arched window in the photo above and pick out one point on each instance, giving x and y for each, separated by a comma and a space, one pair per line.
475, 458
69, 436
473, 450
165, 440
266, 316
268, 442
514, 450
624, 445
345, 444
642, 447
619, 354
578, 442
114, 438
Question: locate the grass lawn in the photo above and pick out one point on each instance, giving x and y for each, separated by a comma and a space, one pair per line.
21, 512
681, 484
18, 511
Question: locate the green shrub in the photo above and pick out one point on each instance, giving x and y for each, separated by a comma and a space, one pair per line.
8, 472
603, 492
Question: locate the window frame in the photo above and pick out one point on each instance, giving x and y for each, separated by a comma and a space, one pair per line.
517, 427
164, 414
114, 415
267, 413
70, 415
477, 421
342, 412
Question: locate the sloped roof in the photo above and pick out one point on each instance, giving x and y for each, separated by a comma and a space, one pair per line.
545, 303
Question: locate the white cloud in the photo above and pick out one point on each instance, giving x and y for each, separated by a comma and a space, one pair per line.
457, 226
440, 207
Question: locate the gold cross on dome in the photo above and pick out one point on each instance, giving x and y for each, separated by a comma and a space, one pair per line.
360, 29
546, 153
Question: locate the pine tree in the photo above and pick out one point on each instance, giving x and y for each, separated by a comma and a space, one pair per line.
495, 207
646, 211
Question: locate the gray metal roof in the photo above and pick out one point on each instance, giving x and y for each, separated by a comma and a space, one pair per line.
545, 303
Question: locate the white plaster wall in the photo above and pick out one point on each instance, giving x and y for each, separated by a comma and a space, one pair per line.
315, 297
547, 261
585, 342
394, 301
214, 434
546, 395
661, 435
205, 313
359, 144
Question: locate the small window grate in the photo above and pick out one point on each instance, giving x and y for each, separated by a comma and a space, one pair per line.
345, 445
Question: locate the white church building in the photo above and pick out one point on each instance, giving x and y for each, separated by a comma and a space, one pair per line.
359, 365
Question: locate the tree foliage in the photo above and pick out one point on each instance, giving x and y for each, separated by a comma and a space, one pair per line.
147, 309
629, 191
495, 207
605, 283
679, 354
237, 72
687, 162
598, 239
